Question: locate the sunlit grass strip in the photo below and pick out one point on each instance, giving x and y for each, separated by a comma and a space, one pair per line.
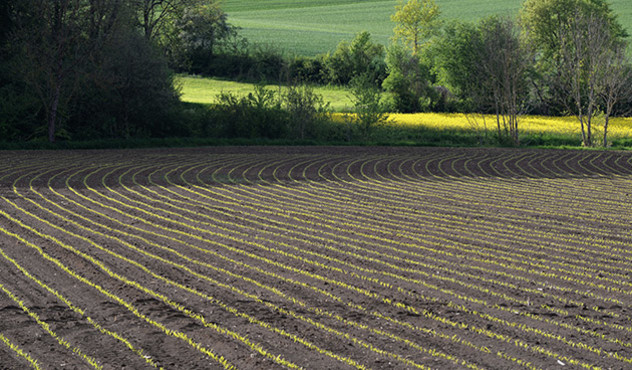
33, 363
177, 334
46, 327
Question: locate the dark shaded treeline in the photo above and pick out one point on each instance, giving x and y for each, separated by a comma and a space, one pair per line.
79, 69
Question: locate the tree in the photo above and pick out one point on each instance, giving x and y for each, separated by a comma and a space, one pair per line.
545, 25
487, 64
592, 70
367, 101
544, 20
6, 10
457, 56
416, 21
503, 66
157, 18
360, 57
408, 80
200, 29
58, 48
617, 85
306, 109
56, 38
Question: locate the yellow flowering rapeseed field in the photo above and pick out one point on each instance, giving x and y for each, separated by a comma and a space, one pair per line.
618, 127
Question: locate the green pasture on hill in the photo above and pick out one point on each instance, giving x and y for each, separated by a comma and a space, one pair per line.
310, 27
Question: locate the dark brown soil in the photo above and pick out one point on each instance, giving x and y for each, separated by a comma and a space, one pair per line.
316, 257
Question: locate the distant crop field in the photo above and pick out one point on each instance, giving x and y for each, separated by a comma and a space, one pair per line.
618, 128
315, 257
310, 27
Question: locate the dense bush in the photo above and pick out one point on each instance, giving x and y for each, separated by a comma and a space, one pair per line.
295, 114
408, 81
308, 70
359, 57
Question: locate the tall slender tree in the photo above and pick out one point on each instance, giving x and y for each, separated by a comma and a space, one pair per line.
415, 21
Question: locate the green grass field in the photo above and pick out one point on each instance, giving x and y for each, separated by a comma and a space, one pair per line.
310, 27
205, 91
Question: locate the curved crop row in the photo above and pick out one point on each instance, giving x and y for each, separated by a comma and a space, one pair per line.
415, 258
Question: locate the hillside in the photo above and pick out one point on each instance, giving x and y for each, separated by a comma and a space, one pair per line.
309, 27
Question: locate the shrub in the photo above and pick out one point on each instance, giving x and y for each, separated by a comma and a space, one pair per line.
307, 112
368, 106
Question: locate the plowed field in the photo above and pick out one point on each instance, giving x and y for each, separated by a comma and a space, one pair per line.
321, 258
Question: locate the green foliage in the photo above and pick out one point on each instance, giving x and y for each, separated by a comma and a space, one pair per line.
360, 57
311, 27
196, 89
307, 110
486, 65
257, 115
305, 69
296, 113
200, 30
457, 55
415, 21
408, 81
73, 69
580, 48
133, 79
543, 20
369, 110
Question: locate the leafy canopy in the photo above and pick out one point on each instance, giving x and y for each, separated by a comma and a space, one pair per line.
416, 21
543, 20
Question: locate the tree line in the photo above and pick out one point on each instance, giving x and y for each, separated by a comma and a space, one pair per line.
557, 57
98, 68
82, 69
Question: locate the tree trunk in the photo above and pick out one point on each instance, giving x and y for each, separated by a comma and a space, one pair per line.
52, 117
588, 135
605, 131
581, 121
